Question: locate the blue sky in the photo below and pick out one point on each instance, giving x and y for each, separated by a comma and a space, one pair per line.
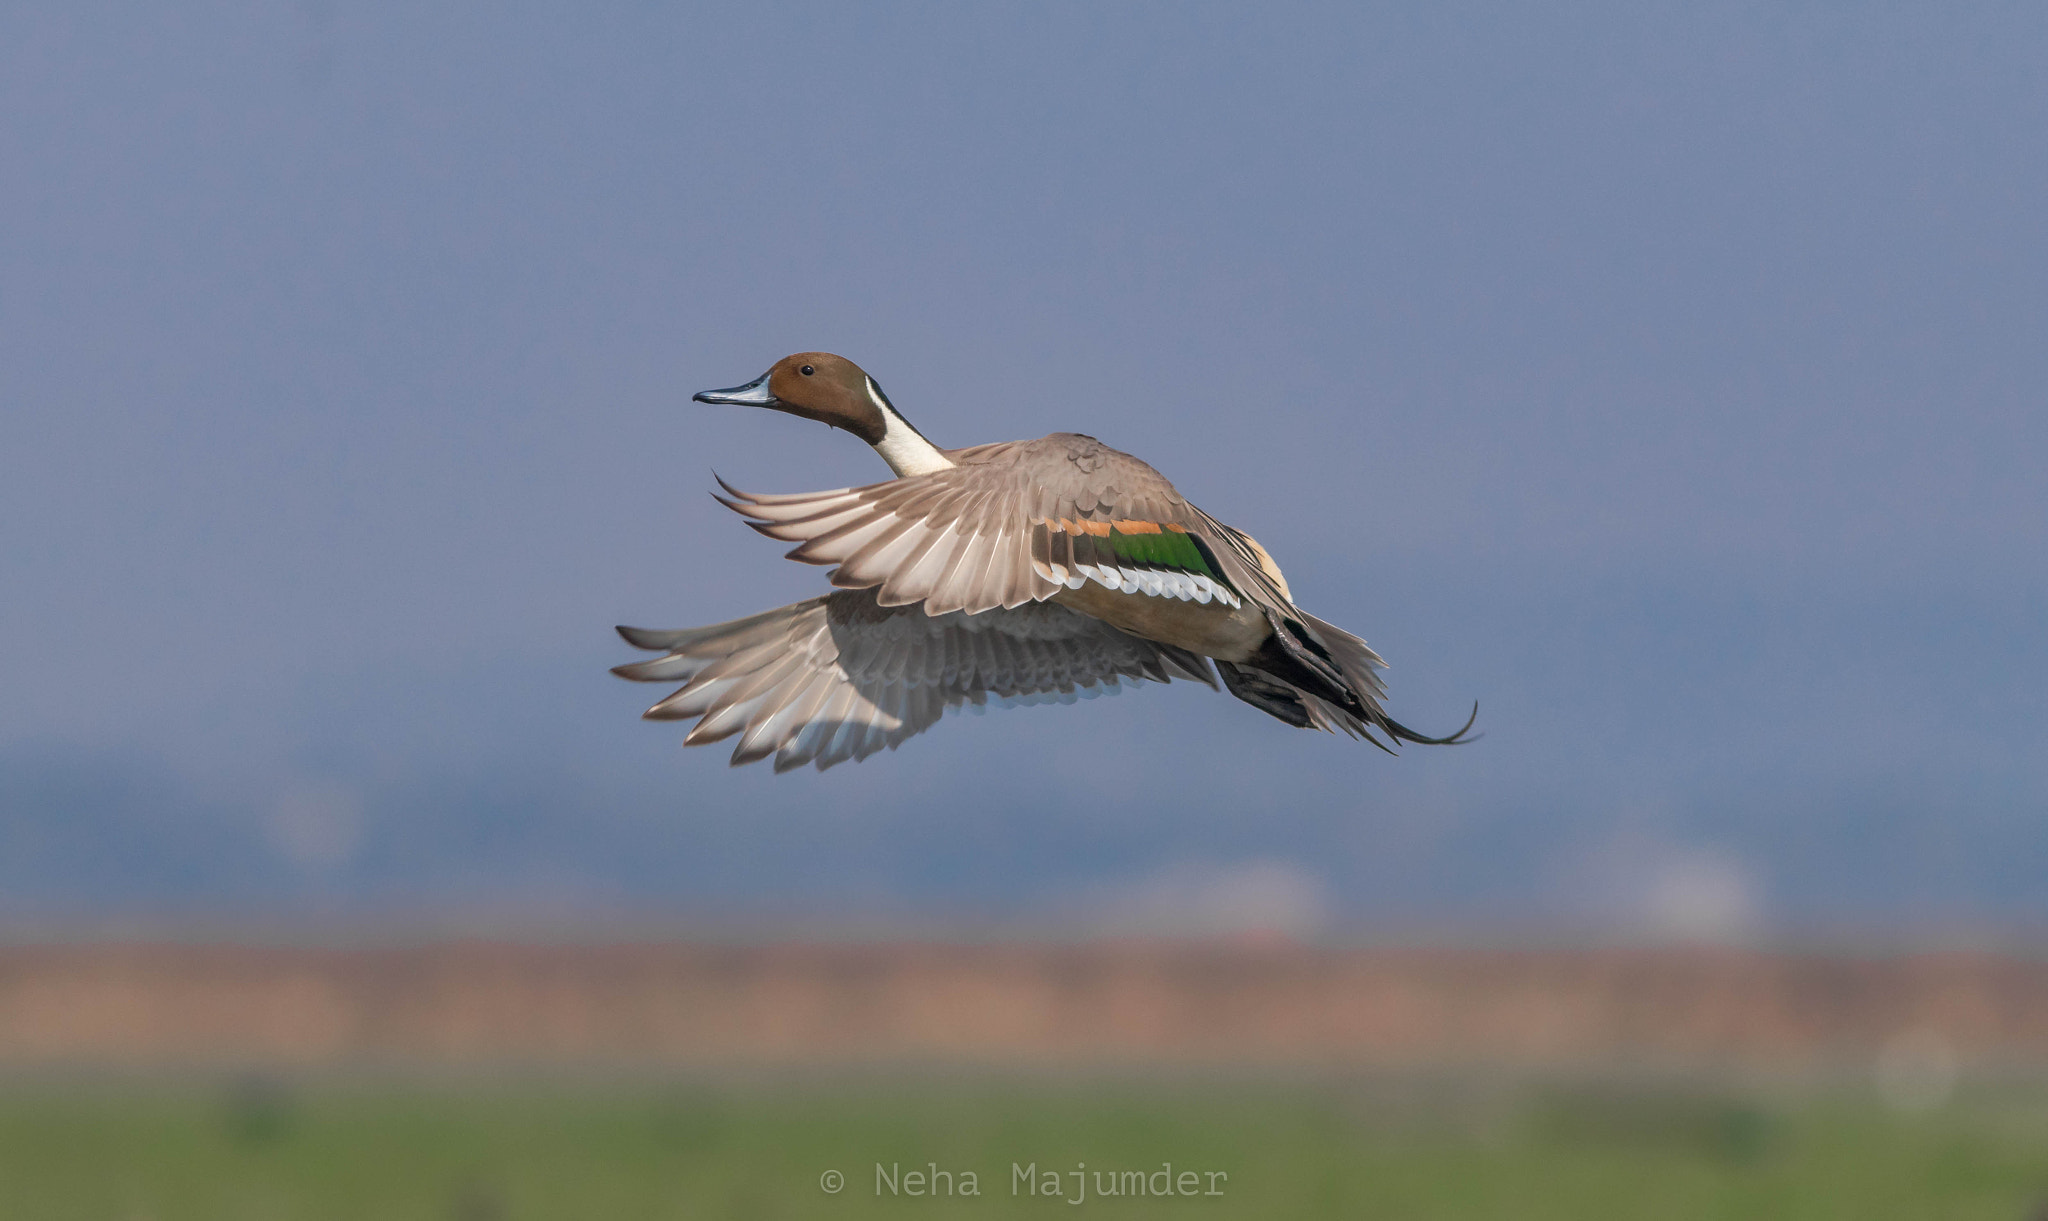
1667, 378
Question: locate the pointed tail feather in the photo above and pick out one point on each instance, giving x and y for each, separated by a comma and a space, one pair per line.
1404, 734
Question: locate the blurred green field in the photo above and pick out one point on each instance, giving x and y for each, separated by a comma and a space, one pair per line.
1355, 1148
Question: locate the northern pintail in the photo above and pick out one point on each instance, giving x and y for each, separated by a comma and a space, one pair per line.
1025, 570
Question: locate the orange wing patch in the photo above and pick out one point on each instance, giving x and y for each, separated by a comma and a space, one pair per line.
1101, 529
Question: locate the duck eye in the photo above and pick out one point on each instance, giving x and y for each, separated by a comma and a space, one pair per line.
806, 370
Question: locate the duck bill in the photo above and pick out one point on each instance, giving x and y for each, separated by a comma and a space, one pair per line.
754, 394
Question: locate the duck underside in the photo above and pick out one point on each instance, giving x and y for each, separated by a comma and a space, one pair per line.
1214, 629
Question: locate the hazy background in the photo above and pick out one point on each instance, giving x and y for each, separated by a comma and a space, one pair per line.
1669, 379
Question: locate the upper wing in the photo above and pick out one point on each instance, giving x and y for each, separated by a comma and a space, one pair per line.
840, 677
1013, 523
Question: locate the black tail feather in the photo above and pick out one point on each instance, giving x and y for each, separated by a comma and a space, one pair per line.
1402, 733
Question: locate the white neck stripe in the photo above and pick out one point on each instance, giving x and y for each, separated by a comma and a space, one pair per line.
906, 452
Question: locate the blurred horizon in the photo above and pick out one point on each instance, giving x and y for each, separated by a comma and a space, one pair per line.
1668, 381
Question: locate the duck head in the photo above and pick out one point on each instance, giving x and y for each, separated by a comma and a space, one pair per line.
835, 391
817, 386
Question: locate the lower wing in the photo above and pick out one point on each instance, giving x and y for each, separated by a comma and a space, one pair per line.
840, 677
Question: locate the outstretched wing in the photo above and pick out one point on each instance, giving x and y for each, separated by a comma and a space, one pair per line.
1014, 523
842, 676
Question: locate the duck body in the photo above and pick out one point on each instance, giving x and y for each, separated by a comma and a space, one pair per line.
1050, 568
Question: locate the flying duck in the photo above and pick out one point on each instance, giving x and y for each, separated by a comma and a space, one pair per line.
1030, 571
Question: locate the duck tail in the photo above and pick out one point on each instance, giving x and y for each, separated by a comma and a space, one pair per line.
1313, 675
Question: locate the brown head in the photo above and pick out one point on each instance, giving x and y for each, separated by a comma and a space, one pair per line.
817, 386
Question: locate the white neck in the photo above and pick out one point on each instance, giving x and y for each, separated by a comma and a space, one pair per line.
901, 446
